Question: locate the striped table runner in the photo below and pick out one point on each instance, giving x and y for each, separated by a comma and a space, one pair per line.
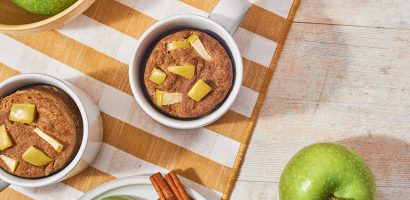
91, 52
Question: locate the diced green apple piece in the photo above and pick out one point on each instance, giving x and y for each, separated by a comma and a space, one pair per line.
192, 38
199, 90
36, 157
157, 76
167, 98
10, 162
53, 142
171, 98
199, 47
179, 44
5, 141
187, 71
24, 113
158, 97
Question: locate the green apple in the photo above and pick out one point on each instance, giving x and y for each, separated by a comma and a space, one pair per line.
325, 171
44, 7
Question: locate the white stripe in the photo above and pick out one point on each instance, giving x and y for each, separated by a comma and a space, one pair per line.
160, 9
245, 102
230, 13
121, 164
100, 37
279, 7
255, 47
119, 104
55, 191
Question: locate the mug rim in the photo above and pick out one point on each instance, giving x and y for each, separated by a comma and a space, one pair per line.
61, 174
149, 109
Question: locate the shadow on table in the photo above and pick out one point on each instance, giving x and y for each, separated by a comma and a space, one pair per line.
388, 158
191, 173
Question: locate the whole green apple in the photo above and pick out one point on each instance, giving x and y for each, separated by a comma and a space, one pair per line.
44, 7
326, 171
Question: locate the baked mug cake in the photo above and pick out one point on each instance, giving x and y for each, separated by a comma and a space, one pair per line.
198, 104
188, 74
40, 131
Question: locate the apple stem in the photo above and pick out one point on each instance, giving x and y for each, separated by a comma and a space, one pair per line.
333, 198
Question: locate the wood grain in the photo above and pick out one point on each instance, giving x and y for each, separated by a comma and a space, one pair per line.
341, 78
373, 13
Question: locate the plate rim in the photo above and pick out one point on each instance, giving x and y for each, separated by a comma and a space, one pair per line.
129, 180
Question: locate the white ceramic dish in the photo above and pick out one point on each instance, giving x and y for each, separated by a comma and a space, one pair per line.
231, 22
92, 129
138, 187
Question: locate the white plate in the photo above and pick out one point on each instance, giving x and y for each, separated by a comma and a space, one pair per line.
138, 187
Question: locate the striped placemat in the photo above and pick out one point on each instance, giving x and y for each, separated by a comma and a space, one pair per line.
91, 52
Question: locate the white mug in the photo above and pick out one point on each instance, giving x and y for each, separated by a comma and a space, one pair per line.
92, 130
223, 22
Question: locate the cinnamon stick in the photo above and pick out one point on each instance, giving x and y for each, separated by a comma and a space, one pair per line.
173, 187
162, 188
178, 186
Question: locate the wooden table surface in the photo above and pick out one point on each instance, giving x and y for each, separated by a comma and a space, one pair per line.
344, 76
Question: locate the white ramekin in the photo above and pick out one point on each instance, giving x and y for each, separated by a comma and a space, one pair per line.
175, 23
92, 129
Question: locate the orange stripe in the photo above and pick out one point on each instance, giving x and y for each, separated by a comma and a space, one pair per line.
231, 125
207, 5
120, 17
6, 72
252, 74
80, 57
264, 22
165, 154
9, 193
88, 179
